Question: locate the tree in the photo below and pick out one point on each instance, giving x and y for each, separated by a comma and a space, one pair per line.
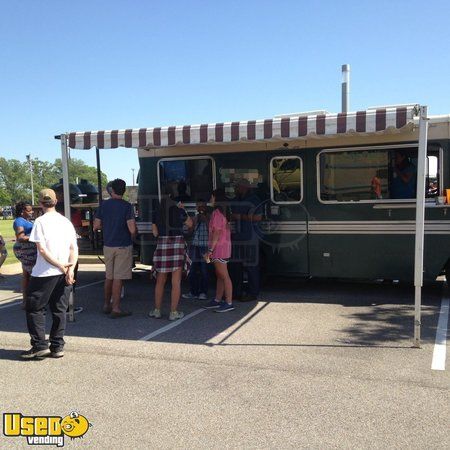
14, 180
78, 169
15, 177
5, 198
45, 174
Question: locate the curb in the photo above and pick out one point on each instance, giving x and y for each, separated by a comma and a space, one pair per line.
88, 259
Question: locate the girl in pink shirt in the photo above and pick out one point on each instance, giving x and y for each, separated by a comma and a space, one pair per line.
219, 251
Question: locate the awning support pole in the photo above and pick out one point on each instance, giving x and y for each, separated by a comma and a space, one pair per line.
99, 175
420, 222
65, 174
66, 193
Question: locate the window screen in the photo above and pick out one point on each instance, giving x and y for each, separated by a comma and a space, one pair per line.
286, 173
374, 174
187, 180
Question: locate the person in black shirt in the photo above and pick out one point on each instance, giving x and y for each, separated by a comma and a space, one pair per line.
170, 254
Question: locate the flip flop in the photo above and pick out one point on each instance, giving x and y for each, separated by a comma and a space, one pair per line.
107, 310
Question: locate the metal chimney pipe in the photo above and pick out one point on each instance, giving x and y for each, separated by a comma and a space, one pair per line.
345, 87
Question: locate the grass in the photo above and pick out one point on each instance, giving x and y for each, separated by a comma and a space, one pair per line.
6, 230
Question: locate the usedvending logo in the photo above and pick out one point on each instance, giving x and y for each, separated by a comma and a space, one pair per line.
45, 430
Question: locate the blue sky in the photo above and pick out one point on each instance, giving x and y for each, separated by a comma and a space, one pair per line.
97, 64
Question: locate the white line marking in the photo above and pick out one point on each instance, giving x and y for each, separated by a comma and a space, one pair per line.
171, 325
440, 345
220, 337
90, 284
13, 303
10, 299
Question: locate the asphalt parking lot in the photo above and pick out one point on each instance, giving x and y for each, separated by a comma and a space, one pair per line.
312, 364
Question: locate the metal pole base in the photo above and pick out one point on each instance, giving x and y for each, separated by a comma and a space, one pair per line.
71, 313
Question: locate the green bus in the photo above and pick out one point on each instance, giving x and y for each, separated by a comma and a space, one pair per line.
337, 191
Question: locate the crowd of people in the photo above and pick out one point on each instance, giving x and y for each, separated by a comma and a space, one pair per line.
212, 242
47, 249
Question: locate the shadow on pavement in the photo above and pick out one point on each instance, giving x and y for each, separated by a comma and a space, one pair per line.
9, 285
385, 317
386, 324
14, 355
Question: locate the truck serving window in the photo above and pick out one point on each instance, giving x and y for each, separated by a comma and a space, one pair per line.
286, 179
374, 174
187, 180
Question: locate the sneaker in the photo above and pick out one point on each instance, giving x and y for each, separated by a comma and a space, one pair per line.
175, 315
34, 353
156, 314
189, 296
57, 354
202, 297
211, 304
224, 307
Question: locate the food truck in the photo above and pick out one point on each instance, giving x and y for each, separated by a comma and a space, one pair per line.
334, 200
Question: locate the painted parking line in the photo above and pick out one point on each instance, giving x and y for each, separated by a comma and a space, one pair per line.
12, 301
90, 284
171, 325
440, 346
9, 299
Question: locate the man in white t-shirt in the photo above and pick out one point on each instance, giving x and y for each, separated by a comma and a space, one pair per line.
51, 278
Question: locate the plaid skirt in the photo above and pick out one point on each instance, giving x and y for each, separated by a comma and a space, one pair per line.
170, 254
26, 253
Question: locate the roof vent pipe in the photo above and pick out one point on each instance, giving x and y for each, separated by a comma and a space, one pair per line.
345, 87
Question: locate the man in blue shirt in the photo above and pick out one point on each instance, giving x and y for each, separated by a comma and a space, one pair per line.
115, 217
404, 178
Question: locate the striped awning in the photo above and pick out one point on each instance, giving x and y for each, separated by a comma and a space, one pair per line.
280, 128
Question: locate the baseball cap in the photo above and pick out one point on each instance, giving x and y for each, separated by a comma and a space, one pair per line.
47, 195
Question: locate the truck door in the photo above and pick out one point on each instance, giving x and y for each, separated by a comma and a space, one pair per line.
286, 230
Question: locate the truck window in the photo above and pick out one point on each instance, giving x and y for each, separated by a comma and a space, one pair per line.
286, 179
229, 175
186, 179
375, 175
432, 189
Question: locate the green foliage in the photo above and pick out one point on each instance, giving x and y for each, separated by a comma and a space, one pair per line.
14, 180
15, 177
4, 197
45, 174
79, 169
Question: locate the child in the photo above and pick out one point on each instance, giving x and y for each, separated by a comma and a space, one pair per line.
198, 276
219, 252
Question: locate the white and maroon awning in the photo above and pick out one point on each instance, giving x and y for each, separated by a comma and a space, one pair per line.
283, 128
